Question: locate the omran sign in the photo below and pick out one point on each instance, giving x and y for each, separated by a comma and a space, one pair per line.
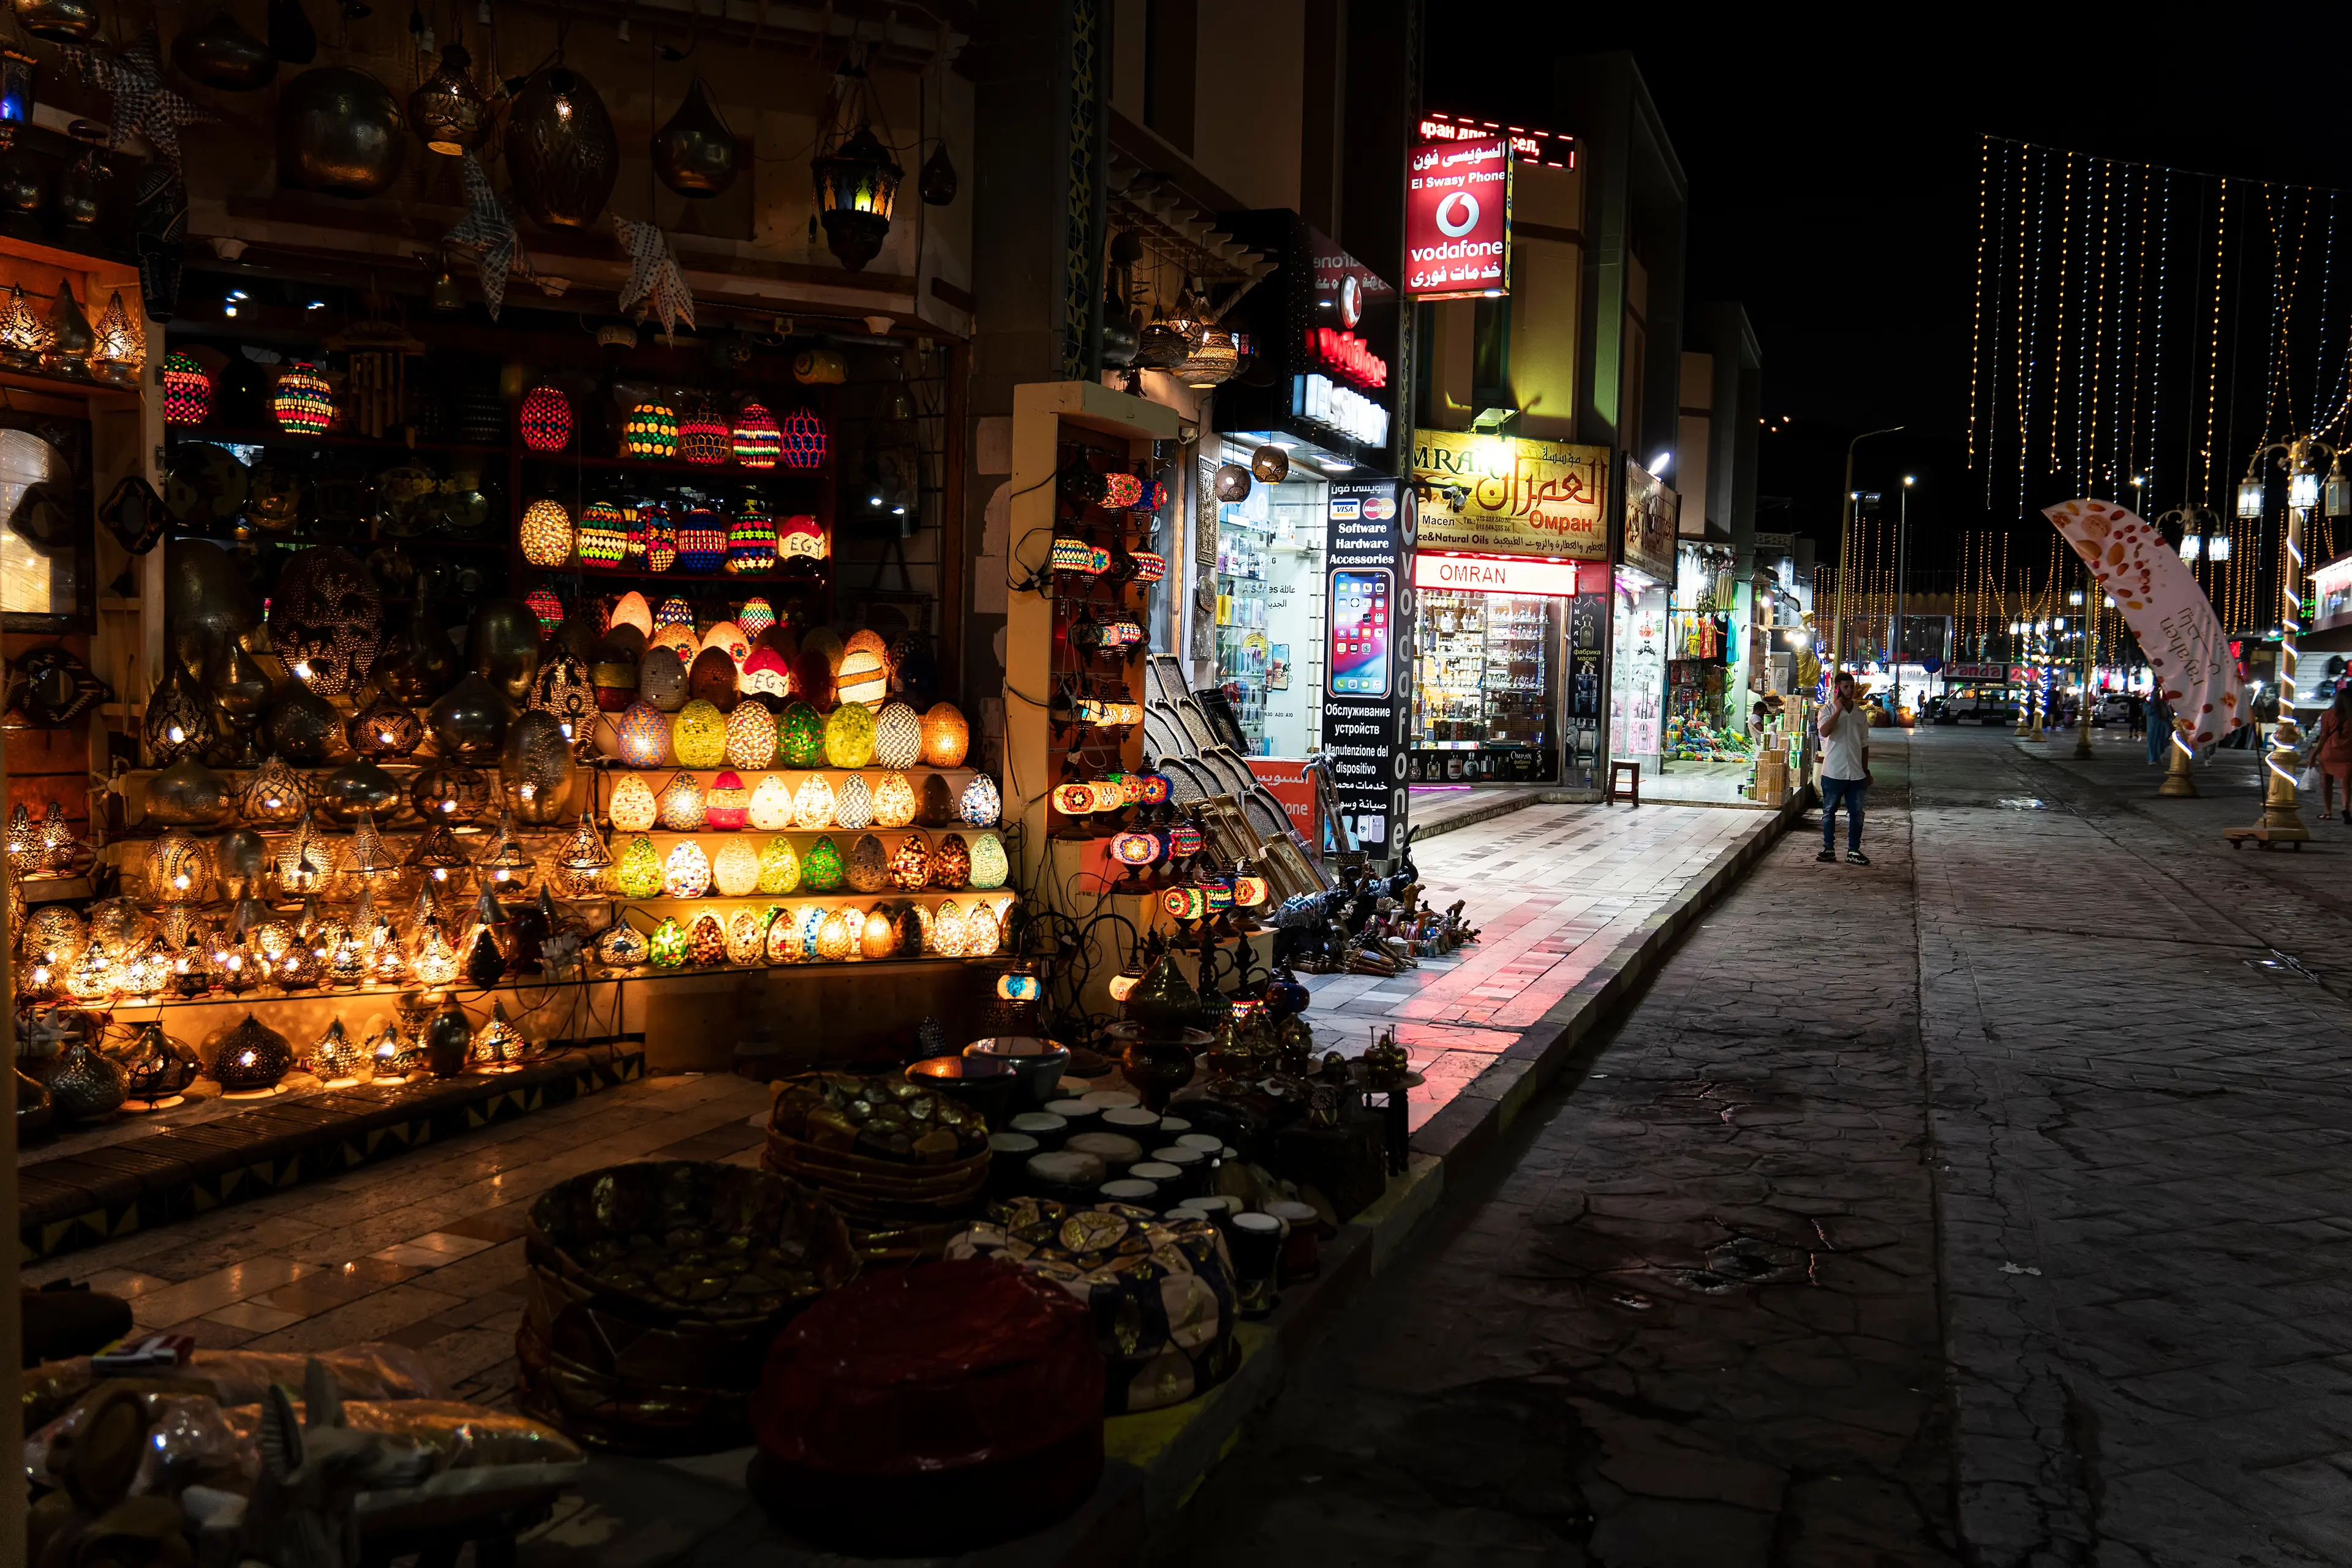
1457, 220
1494, 575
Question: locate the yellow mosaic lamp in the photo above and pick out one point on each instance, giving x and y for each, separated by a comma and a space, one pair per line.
894, 801
948, 929
981, 932
699, 735
687, 874
682, 804
780, 868
634, 808
881, 938
946, 737
835, 939
784, 942
638, 873
666, 948
736, 868
545, 533
812, 804
771, 808
849, 736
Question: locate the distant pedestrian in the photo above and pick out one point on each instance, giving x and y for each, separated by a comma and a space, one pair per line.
2159, 727
1845, 768
2334, 754
2136, 711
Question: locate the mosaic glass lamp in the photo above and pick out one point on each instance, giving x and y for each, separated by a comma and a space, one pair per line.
751, 540
602, 537
780, 868
756, 615
750, 737
703, 438
633, 807
880, 938
687, 874
303, 402
684, 804
706, 945
187, 390
894, 801
545, 533
545, 606
981, 805
699, 736
800, 739
898, 737
946, 737
668, 947
910, 863
990, 867
948, 929
545, 419
853, 804
639, 873
657, 537
849, 736
812, 804
735, 870
835, 939
951, 862
643, 736
758, 439
650, 431
747, 935
727, 806
822, 868
771, 808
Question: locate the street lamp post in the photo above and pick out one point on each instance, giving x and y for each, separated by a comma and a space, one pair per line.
2307, 492
1894, 626
2083, 625
1845, 551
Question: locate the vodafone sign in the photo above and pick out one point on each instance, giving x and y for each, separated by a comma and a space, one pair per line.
1457, 220
1494, 575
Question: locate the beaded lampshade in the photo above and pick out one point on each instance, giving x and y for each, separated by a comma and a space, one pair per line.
853, 804
631, 610
632, 807
701, 541
702, 437
1149, 565
735, 870
545, 533
674, 612
639, 873
759, 440
544, 605
750, 737
729, 804
780, 868
821, 868
756, 617
688, 873
1122, 491
813, 803
657, 537
699, 736
601, 536
803, 440
849, 736
771, 806
650, 431
643, 736
751, 540
303, 402
187, 390
1079, 556
545, 419
946, 736
684, 803
894, 801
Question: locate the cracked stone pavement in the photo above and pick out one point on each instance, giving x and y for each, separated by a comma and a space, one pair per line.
1985, 1205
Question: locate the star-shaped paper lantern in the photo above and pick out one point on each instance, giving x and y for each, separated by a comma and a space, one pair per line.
488, 230
653, 276
143, 106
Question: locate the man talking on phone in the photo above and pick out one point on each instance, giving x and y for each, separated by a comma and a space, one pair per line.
1845, 768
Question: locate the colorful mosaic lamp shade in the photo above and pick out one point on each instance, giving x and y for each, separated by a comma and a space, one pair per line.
1122, 491
187, 390
657, 537
802, 539
803, 440
1150, 566
1079, 556
601, 536
758, 439
545, 420
643, 736
304, 403
545, 533
752, 540
546, 607
701, 541
651, 431
703, 438
756, 617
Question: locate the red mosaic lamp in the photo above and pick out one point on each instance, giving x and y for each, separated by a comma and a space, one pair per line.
187, 390
304, 403
546, 420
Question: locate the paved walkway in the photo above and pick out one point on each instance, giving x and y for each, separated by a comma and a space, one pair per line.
1555, 890
1987, 1204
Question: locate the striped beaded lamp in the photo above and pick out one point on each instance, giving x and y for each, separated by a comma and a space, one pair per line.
759, 440
601, 535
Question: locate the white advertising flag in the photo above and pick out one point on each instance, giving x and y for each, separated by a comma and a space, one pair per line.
2159, 599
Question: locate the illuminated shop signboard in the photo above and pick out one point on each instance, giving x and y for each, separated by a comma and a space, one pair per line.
1328, 329
1457, 220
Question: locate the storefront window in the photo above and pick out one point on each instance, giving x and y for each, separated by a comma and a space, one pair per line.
1486, 686
1270, 552
45, 546
1637, 679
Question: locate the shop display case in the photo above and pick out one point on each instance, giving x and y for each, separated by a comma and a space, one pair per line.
1487, 687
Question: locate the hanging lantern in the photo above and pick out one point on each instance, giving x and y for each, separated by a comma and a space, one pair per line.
701, 541
989, 868
910, 863
750, 737
545, 419
634, 808
812, 804
857, 185
821, 869
849, 736
639, 873
894, 801
1079, 555
543, 604
602, 537
758, 439
946, 736
119, 349
802, 439
561, 150
756, 617
702, 437
651, 431
951, 862
641, 736
699, 736
631, 610
683, 805
1122, 491
736, 868
853, 805
780, 869
668, 948
303, 402
187, 390
751, 540
545, 533
981, 805
727, 805
687, 874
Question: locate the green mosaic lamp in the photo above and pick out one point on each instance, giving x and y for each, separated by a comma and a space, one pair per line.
780, 869
799, 740
990, 868
849, 736
668, 946
639, 873
821, 868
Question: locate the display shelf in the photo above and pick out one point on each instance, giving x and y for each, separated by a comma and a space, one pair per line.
815, 579
677, 467
328, 440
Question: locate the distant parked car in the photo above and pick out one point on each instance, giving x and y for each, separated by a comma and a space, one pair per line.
2114, 707
1975, 708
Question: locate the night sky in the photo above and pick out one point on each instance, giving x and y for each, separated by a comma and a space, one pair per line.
1833, 166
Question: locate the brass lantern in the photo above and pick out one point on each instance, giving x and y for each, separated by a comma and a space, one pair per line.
856, 178
447, 108
450, 795
274, 795
384, 728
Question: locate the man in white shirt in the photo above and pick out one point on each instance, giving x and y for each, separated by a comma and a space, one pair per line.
1845, 768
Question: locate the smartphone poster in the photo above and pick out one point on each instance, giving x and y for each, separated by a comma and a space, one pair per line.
1368, 683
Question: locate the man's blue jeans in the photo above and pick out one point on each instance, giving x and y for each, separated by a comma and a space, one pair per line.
1850, 791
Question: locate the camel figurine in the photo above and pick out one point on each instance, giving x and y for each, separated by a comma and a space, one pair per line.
301, 1515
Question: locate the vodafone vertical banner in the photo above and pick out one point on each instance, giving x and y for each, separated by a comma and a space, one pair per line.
1457, 220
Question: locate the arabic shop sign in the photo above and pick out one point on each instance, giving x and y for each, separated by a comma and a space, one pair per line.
1499, 495
1457, 220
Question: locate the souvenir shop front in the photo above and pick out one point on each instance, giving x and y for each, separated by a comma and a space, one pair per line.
1705, 700
1511, 566
1642, 634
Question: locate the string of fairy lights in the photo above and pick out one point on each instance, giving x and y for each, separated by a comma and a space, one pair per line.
2092, 374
